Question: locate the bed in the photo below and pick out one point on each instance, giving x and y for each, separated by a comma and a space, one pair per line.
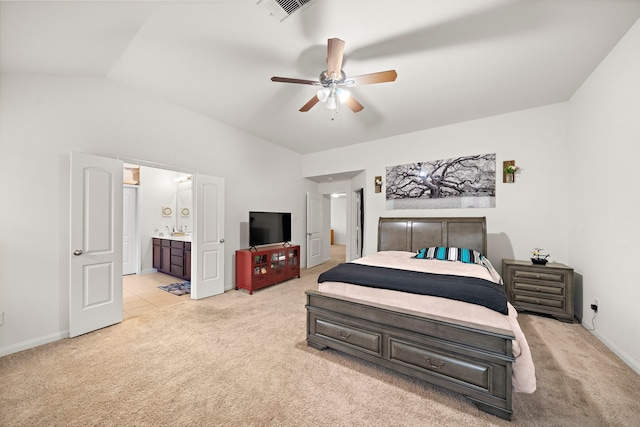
452, 343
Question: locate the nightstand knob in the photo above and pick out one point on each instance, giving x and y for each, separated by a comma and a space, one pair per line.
537, 276
538, 289
537, 301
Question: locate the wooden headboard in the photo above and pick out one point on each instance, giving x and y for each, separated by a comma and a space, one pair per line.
411, 234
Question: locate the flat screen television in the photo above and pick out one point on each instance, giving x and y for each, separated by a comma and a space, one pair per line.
269, 227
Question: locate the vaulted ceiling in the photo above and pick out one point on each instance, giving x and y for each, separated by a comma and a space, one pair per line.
456, 60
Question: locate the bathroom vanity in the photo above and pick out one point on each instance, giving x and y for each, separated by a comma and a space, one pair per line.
172, 255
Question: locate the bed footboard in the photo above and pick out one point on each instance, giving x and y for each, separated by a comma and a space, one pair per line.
465, 358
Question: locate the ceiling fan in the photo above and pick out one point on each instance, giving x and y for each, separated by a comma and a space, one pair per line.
333, 81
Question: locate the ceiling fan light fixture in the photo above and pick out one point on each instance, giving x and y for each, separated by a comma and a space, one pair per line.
333, 80
331, 102
323, 94
343, 94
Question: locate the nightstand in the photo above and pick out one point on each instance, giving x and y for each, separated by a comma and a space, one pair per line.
544, 289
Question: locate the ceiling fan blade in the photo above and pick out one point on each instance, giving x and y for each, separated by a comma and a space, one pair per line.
335, 53
367, 79
297, 81
353, 104
313, 101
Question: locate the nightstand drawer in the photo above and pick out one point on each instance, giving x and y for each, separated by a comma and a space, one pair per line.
536, 301
545, 288
551, 277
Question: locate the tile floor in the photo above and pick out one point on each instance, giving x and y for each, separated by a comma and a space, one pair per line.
141, 293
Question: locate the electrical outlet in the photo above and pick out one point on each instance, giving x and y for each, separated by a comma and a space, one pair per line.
595, 305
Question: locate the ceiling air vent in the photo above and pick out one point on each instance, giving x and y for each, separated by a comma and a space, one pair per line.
282, 9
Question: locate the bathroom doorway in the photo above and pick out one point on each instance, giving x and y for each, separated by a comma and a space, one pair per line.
157, 203
98, 203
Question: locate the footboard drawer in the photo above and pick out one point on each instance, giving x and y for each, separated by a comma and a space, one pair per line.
448, 354
448, 365
347, 334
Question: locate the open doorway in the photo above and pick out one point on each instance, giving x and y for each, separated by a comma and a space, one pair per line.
352, 215
96, 234
339, 229
157, 215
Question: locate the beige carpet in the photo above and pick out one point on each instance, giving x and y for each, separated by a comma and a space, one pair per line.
241, 360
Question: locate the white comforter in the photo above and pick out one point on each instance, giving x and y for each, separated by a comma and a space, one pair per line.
524, 378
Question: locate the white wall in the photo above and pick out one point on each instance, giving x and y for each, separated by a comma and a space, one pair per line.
604, 202
44, 118
529, 213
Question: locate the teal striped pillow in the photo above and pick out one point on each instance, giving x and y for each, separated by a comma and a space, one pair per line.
450, 254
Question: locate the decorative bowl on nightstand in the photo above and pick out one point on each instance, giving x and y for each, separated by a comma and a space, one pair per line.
539, 261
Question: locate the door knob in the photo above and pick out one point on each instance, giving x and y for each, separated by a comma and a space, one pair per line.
77, 252
221, 240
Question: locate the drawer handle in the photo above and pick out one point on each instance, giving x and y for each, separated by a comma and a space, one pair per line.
344, 335
538, 289
537, 276
537, 301
438, 366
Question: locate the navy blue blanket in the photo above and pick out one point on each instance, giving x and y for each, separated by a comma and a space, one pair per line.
461, 288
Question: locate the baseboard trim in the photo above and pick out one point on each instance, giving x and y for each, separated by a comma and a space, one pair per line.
36, 342
633, 364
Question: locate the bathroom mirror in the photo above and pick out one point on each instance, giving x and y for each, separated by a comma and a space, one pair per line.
184, 208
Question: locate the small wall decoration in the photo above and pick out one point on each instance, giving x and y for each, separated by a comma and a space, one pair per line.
509, 170
460, 182
378, 184
166, 211
185, 212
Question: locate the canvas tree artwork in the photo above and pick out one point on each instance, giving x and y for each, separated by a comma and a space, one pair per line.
460, 182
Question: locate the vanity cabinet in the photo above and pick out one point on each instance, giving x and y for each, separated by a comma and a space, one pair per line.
187, 260
172, 257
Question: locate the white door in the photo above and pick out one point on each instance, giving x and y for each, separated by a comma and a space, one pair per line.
208, 251
129, 230
95, 265
314, 229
